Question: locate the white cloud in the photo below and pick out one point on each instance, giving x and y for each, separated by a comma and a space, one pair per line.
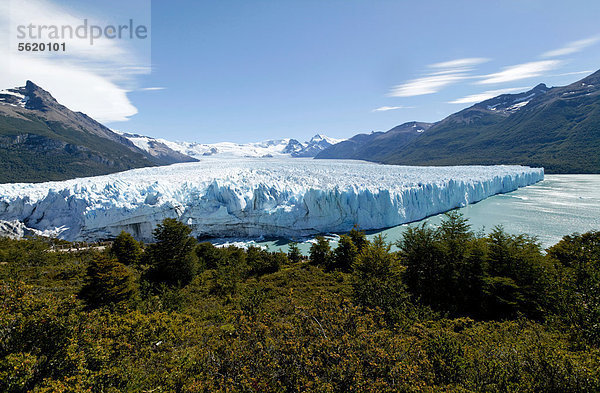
572, 47
91, 79
460, 63
426, 85
586, 72
520, 71
390, 108
486, 95
446, 73
151, 88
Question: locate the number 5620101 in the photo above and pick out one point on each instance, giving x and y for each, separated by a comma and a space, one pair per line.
42, 47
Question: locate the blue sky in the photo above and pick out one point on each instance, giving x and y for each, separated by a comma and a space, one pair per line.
253, 70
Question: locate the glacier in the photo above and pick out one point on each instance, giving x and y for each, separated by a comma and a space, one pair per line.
253, 198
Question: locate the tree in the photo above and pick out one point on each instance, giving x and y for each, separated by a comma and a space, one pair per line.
107, 282
171, 257
516, 279
578, 257
320, 252
376, 280
345, 254
420, 254
126, 249
445, 266
294, 254
231, 269
359, 238
208, 255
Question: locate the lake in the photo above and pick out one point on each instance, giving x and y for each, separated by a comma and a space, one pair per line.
557, 206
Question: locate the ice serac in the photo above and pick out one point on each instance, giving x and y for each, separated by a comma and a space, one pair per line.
254, 197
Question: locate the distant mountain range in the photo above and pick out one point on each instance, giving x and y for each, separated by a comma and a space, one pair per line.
557, 128
42, 140
270, 148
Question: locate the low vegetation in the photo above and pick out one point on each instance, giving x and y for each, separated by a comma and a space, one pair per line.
450, 311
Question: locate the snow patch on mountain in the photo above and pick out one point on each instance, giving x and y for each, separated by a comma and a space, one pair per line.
253, 197
13, 97
511, 103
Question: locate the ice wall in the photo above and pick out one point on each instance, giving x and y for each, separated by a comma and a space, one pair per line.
254, 197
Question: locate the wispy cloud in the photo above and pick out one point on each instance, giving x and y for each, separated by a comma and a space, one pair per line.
390, 108
586, 72
520, 71
460, 63
151, 88
426, 85
486, 95
572, 47
446, 73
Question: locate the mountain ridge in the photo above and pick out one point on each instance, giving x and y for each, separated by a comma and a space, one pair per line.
42, 140
557, 128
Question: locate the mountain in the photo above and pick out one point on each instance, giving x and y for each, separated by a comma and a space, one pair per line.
556, 128
271, 148
157, 149
317, 144
377, 144
42, 140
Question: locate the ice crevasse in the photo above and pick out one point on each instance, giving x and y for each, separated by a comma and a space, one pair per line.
253, 197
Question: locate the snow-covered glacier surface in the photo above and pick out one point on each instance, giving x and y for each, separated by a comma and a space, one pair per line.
254, 197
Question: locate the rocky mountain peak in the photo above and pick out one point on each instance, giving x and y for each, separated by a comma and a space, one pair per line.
30, 96
39, 99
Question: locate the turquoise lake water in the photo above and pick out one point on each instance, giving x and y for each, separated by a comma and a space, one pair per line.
557, 206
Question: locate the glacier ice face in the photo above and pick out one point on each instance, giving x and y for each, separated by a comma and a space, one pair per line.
254, 197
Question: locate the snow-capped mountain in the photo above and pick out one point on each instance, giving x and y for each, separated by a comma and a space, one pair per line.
317, 144
270, 148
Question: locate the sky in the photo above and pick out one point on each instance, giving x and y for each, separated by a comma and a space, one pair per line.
245, 71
